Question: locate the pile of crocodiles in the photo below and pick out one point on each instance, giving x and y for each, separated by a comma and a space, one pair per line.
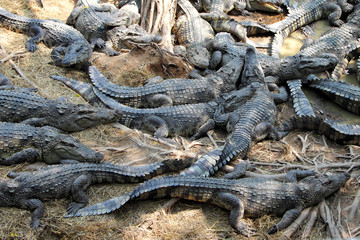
234, 88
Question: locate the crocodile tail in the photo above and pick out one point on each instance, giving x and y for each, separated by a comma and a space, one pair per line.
103, 84
303, 123
102, 208
301, 104
15, 22
206, 165
277, 42
342, 133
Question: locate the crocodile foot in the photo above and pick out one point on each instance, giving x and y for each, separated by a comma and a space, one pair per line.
74, 207
244, 229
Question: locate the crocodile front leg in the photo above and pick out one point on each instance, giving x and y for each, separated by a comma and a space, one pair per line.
157, 125
36, 122
57, 53
230, 201
26, 155
288, 218
160, 100
334, 13
37, 34
77, 190
209, 125
37, 206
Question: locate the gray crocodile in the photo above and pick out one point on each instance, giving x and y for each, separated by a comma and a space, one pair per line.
93, 20
345, 134
195, 34
4, 80
275, 70
70, 45
246, 197
185, 120
21, 142
301, 104
341, 41
171, 91
24, 106
309, 11
127, 37
254, 120
29, 190
217, 8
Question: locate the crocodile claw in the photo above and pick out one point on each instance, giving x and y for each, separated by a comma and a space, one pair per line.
36, 224
244, 229
273, 229
73, 208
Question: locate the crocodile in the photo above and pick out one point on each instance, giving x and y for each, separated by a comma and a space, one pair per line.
339, 41
70, 45
30, 108
4, 80
29, 190
21, 142
301, 104
219, 8
246, 197
309, 11
195, 34
344, 94
276, 70
93, 20
171, 91
345, 134
254, 120
127, 37
185, 120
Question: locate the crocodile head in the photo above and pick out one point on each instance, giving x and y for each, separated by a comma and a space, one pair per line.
315, 188
76, 52
59, 146
267, 5
300, 65
7, 190
77, 117
197, 55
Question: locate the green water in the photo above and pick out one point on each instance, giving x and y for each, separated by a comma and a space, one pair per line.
292, 45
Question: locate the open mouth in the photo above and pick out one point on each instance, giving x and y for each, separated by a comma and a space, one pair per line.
270, 7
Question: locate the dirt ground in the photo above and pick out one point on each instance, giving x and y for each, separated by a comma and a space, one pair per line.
148, 219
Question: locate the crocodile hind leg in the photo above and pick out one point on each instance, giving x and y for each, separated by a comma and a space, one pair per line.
160, 100
37, 34
77, 190
157, 125
26, 155
209, 125
230, 201
38, 207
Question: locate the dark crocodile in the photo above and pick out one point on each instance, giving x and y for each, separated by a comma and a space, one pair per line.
171, 91
301, 104
254, 120
93, 20
309, 11
246, 197
217, 8
21, 142
30, 108
185, 120
195, 34
339, 41
29, 190
341, 133
70, 45
275, 70
4, 80
344, 94
127, 37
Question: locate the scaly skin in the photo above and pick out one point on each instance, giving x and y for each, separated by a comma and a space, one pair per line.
338, 41
187, 120
277, 70
195, 34
22, 142
301, 104
30, 108
307, 12
344, 94
29, 190
70, 45
93, 20
341, 133
127, 37
253, 197
171, 91
254, 120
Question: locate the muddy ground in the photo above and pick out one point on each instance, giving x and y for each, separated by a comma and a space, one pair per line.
147, 219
